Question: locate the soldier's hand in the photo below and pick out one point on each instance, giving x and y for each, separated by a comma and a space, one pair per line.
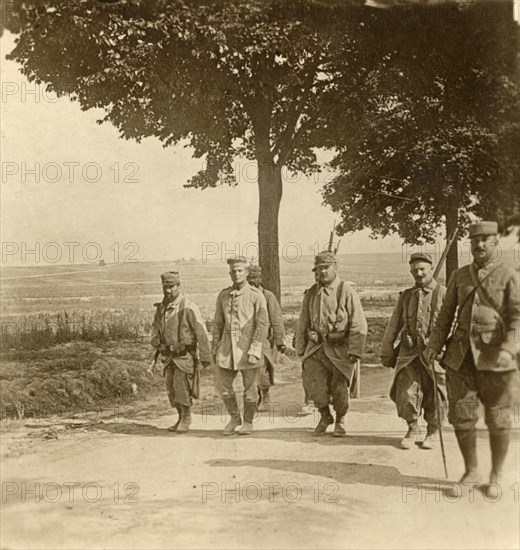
353, 358
430, 355
205, 364
314, 336
252, 360
504, 359
163, 349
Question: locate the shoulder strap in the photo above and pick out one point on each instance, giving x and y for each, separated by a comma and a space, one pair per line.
339, 294
470, 294
433, 308
480, 289
180, 319
407, 296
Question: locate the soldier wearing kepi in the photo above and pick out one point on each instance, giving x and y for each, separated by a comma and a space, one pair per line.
412, 320
178, 333
482, 311
330, 338
274, 342
239, 332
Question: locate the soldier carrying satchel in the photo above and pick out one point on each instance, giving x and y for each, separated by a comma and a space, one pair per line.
412, 320
180, 337
330, 338
481, 310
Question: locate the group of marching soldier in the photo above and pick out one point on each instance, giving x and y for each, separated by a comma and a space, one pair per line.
457, 346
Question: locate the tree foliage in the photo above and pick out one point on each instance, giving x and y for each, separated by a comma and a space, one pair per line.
438, 135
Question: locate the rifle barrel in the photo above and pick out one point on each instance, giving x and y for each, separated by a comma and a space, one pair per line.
449, 244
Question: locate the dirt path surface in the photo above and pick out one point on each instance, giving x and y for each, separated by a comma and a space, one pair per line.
127, 483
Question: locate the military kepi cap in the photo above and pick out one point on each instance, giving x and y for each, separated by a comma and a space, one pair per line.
170, 278
324, 258
238, 260
255, 271
421, 257
483, 228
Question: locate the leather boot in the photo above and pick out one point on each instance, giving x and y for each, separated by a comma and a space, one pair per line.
499, 442
249, 415
325, 420
467, 441
432, 436
232, 408
412, 435
339, 428
265, 400
184, 424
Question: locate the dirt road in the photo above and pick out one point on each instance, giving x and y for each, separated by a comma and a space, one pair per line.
129, 483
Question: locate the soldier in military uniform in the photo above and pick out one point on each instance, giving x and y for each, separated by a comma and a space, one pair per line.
239, 332
481, 309
412, 320
178, 329
274, 343
330, 338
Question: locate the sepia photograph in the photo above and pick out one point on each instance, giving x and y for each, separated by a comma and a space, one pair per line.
260, 274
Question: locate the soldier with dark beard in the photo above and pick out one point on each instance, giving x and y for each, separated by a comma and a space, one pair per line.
179, 335
330, 338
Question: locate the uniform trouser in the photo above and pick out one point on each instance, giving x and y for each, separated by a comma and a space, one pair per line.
467, 387
321, 380
226, 377
415, 391
177, 386
264, 382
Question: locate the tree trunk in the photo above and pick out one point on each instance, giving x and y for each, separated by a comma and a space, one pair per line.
270, 191
452, 258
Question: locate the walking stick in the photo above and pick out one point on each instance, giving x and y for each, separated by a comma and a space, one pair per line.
431, 367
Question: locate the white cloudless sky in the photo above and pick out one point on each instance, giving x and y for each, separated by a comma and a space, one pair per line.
97, 188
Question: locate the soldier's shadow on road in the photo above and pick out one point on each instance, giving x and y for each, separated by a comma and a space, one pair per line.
342, 472
301, 435
149, 430
353, 439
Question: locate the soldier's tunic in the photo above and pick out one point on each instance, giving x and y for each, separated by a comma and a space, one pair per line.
275, 337
412, 320
335, 308
488, 321
239, 329
184, 340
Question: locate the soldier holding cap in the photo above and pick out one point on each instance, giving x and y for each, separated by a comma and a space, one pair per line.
330, 338
274, 342
412, 320
482, 311
178, 329
239, 332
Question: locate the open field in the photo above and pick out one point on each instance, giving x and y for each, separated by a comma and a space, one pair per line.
58, 320
49, 311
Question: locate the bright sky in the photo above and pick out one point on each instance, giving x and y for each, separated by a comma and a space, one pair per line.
139, 196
